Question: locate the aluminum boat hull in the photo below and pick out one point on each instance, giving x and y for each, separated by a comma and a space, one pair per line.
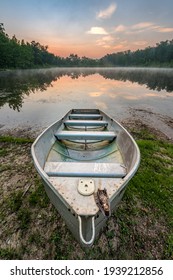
85, 151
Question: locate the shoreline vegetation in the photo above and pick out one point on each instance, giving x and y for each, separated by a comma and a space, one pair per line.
141, 227
16, 54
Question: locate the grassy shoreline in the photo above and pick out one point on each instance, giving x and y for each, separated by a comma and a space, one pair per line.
141, 228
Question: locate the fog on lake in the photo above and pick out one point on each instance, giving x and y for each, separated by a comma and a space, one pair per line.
36, 98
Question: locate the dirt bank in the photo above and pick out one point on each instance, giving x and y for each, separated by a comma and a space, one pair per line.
161, 125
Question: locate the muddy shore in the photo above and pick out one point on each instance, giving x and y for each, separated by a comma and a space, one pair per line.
161, 125
31, 228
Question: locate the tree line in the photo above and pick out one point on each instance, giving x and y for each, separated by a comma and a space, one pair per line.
161, 55
20, 54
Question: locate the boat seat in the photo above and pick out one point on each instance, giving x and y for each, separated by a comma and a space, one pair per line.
85, 123
85, 116
85, 135
84, 169
85, 111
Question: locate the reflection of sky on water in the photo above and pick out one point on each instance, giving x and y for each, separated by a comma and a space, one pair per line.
42, 107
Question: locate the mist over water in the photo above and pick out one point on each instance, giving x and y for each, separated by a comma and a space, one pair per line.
36, 98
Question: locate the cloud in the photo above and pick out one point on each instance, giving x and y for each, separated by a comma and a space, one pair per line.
164, 29
140, 43
120, 28
118, 47
106, 46
97, 30
108, 38
142, 25
106, 41
136, 28
110, 42
107, 13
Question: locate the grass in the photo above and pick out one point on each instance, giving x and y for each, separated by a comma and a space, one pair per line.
24, 217
155, 176
141, 228
149, 197
14, 202
3, 152
9, 254
36, 197
16, 140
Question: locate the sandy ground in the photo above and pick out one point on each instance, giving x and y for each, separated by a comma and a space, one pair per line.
162, 125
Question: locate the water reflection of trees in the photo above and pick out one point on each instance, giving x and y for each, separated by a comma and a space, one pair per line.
15, 85
155, 79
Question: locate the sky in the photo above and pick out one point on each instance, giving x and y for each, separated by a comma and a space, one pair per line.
90, 28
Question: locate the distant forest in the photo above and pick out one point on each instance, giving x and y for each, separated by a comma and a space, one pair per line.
16, 54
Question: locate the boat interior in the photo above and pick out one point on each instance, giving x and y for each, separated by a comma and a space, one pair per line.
82, 153
86, 145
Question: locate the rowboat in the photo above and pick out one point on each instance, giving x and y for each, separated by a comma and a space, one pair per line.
85, 161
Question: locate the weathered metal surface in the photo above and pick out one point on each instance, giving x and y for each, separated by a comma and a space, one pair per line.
85, 169
85, 123
71, 151
85, 135
91, 159
85, 111
85, 116
67, 188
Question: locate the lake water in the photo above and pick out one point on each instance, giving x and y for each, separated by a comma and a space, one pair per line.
36, 98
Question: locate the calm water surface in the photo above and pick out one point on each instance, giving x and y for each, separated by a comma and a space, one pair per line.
36, 98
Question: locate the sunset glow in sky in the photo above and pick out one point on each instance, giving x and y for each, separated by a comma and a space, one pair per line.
89, 28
